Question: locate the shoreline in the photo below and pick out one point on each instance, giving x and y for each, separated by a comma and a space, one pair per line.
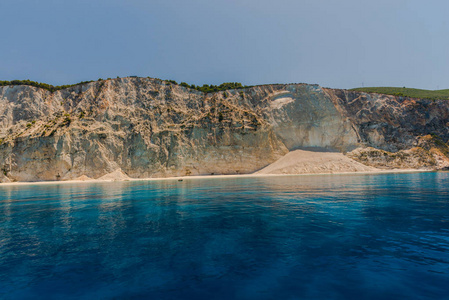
195, 177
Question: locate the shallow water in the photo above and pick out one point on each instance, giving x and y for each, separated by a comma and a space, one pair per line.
298, 237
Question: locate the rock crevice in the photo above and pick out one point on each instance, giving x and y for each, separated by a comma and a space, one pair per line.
151, 128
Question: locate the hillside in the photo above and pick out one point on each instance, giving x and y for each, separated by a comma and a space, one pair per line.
407, 92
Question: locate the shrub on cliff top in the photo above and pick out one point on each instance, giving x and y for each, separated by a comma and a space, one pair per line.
206, 88
41, 85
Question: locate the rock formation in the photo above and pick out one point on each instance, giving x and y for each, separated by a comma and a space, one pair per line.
143, 127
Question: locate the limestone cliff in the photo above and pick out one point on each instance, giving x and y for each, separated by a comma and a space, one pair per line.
152, 128
396, 132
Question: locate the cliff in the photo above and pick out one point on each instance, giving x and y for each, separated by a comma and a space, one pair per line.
396, 132
143, 127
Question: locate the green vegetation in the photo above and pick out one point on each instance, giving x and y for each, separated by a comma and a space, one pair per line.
66, 120
45, 86
172, 81
206, 88
222, 87
407, 92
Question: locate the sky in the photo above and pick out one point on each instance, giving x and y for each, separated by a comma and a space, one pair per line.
334, 43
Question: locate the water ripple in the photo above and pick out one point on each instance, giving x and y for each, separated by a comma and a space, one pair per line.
308, 237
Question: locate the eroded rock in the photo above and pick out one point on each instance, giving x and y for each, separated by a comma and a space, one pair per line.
151, 128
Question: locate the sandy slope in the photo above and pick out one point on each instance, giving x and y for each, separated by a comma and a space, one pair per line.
309, 162
117, 175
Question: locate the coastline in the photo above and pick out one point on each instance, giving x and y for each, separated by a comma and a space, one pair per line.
182, 178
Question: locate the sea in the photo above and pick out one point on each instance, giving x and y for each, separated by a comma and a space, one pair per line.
371, 236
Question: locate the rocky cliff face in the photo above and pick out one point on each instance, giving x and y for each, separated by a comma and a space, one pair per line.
396, 132
151, 128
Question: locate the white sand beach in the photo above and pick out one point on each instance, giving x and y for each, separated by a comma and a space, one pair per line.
294, 163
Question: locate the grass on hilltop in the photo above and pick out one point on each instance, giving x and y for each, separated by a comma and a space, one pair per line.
407, 92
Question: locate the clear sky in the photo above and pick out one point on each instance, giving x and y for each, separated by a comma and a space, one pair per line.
335, 43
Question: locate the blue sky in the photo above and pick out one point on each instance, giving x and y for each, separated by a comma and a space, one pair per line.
340, 44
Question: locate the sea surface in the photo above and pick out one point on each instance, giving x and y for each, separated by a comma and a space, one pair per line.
295, 237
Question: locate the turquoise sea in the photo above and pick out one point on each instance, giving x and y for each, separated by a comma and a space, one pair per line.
294, 237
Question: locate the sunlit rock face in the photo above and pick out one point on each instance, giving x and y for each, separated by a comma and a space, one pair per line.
304, 116
150, 128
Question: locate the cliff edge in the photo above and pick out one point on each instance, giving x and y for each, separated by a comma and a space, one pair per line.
152, 128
